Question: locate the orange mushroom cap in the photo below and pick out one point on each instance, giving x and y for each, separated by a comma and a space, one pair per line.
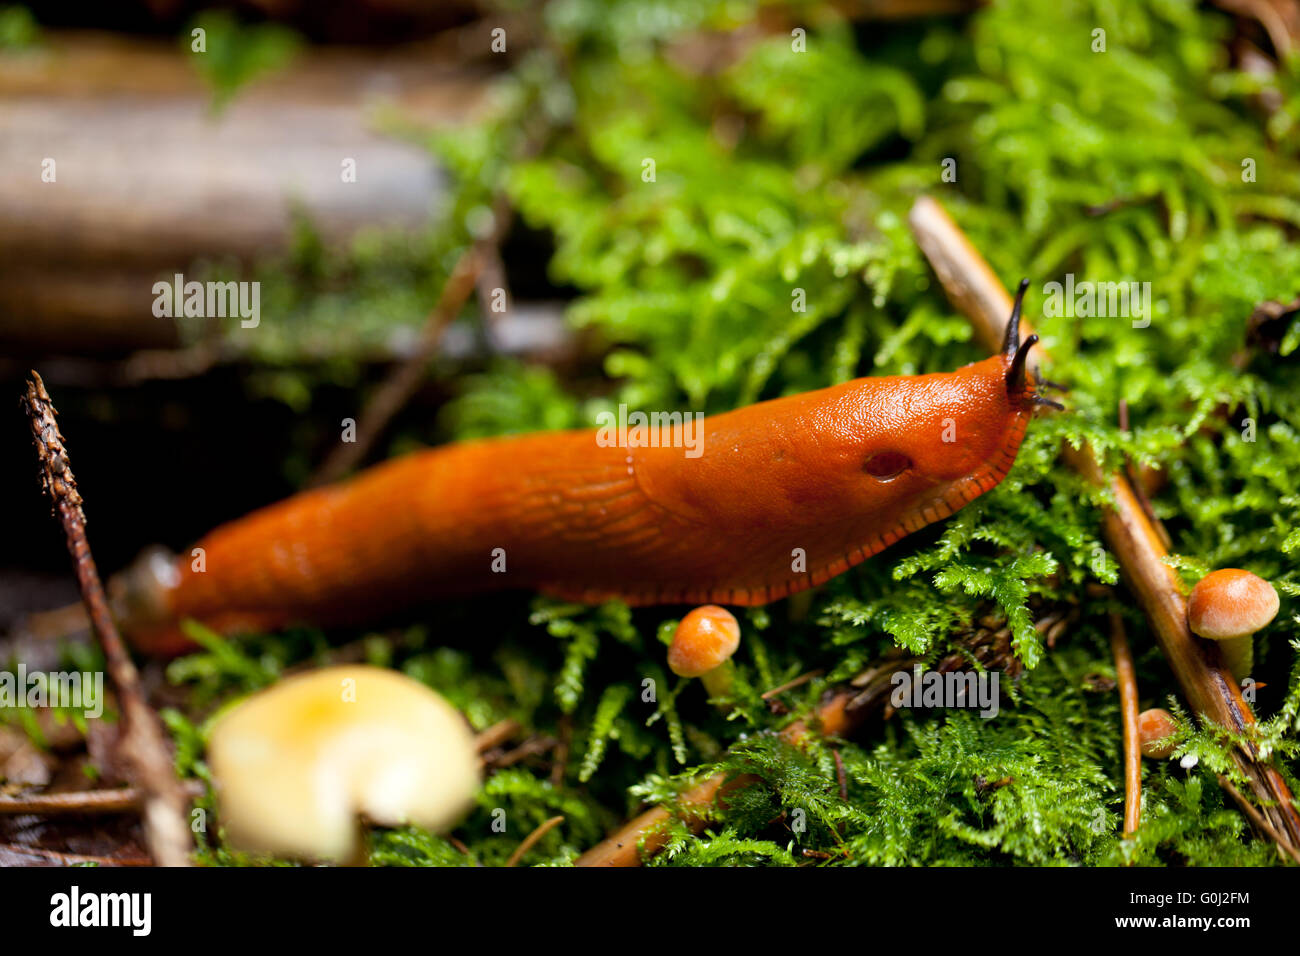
1231, 603
704, 640
1154, 727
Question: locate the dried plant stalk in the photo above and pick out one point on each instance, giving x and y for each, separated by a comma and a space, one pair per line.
1126, 677
141, 744
391, 397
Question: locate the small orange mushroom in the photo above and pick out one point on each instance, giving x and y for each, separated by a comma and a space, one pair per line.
702, 647
1229, 606
1156, 729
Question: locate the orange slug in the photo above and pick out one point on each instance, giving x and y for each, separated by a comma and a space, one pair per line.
785, 495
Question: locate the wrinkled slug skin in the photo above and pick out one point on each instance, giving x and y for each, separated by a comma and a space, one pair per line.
647, 525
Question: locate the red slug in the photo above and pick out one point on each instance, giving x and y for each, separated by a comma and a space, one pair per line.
785, 495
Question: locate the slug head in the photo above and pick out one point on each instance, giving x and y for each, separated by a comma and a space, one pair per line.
908, 450
841, 473
939, 436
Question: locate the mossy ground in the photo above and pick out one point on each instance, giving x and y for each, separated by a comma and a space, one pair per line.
780, 170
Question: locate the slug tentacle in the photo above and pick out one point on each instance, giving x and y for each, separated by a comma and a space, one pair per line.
1042, 382
1016, 373
1011, 340
1017, 352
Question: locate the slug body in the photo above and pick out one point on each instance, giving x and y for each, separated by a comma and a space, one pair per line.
784, 495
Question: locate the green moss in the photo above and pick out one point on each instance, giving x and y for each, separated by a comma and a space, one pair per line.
18, 29
228, 55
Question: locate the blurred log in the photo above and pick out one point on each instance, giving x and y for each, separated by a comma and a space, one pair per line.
89, 310
537, 332
148, 180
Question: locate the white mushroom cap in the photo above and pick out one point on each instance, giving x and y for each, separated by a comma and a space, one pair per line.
1231, 603
298, 764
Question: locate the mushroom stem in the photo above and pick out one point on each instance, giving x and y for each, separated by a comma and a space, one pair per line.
718, 681
1239, 655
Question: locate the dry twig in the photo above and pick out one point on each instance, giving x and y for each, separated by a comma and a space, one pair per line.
74, 859
116, 800
792, 684
531, 840
396, 391
495, 735
1258, 819
1126, 676
142, 743
480, 261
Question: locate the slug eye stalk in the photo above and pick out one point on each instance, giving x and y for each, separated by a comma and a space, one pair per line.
1018, 352
1011, 341
1016, 373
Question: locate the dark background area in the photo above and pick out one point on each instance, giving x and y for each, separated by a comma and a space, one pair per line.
321, 21
164, 461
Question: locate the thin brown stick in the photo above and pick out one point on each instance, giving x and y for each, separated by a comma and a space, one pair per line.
531, 840
791, 684
1126, 676
648, 833
1257, 818
1269, 18
1137, 544
560, 764
840, 776
495, 735
142, 743
71, 859
398, 389
491, 277
497, 760
459, 845
116, 800
392, 396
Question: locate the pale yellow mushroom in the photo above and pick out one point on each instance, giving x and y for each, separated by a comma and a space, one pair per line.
300, 765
